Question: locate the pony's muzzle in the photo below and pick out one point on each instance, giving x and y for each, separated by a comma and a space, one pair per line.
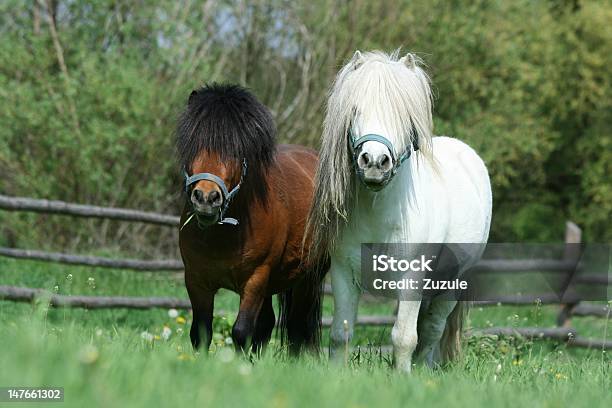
374, 161
207, 204
374, 169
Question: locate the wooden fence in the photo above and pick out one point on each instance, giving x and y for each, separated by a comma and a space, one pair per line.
563, 331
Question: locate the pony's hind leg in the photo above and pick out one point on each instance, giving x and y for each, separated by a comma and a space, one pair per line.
264, 326
431, 328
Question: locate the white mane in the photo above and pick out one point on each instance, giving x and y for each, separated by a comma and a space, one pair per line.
373, 84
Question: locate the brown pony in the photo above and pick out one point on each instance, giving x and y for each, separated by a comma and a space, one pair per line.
243, 222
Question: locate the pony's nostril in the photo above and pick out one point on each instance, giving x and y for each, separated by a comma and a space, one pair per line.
384, 162
213, 197
365, 159
197, 195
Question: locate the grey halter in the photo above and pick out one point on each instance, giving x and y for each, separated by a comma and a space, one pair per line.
355, 144
227, 195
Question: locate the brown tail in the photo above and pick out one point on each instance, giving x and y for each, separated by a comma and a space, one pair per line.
450, 344
284, 305
299, 323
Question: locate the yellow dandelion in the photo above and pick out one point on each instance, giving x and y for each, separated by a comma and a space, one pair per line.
183, 357
89, 354
181, 320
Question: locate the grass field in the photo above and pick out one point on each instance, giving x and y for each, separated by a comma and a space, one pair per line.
143, 358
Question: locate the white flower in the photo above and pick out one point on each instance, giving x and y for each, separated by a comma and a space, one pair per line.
244, 369
166, 332
226, 355
173, 313
145, 335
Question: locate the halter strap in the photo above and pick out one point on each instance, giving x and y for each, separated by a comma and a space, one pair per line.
207, 176
227, 195
373, 137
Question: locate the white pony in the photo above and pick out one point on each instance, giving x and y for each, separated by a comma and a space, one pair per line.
379, 114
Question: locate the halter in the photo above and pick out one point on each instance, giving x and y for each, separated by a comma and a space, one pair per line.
227, 195
355, 144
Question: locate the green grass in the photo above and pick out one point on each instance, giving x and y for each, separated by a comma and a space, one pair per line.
101, 358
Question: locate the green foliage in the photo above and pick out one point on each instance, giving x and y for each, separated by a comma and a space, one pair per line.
88, 115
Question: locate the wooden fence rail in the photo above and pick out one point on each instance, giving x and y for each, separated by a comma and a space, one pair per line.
19, 294
587, 309
133, 264
523, 265
562, 334
80, 210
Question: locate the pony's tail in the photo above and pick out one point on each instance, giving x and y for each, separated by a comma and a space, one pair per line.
284, 306
450, 344
316, 283
313, 317
299, 324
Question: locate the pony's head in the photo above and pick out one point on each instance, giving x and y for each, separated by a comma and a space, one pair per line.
225, 143
379, 113
383, 107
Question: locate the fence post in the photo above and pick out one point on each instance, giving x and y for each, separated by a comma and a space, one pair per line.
573, 235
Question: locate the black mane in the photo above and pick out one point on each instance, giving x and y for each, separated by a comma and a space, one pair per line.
229, 120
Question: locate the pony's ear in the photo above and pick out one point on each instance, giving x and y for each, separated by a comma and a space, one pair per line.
191, 96
408, 60
357, 59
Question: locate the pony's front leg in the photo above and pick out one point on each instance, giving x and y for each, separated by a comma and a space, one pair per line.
202, 304
251, 300
346, 303
404, 334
